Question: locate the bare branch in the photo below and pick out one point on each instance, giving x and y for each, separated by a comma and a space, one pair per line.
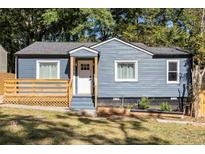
202, 21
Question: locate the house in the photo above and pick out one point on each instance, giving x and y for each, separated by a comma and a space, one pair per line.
3, 60
112, 72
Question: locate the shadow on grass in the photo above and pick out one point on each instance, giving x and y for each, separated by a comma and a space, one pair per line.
19, 129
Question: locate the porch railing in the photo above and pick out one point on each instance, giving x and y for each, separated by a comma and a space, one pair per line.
38, 92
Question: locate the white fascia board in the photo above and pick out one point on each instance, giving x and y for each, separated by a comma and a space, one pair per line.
85, 48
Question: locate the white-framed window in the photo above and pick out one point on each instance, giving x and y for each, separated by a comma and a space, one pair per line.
47, 69
172, 71
126, 70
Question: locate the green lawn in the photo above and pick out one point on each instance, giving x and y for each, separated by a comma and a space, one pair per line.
18, 126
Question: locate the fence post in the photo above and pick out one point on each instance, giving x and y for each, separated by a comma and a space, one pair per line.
4, 87
68, 90
202, 103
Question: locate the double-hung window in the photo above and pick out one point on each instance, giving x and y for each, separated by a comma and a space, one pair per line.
126, 70
172, 71
48, 69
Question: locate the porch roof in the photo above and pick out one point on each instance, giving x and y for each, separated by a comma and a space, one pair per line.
84, 52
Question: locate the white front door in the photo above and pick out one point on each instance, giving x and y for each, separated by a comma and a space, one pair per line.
85, 75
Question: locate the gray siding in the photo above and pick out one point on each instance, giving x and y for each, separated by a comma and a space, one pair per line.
152, 75
83, 53
3, 60
27, 67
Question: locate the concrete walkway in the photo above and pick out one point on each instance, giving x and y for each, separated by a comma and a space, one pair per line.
45, 108
181, 122
49, 108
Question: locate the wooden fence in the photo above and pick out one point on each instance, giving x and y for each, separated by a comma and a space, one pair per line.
38, 92
202, 104
70, 90
4, 76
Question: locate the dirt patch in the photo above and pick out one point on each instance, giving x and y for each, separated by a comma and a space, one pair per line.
109, 111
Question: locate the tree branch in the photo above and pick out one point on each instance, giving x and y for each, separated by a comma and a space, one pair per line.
202, 21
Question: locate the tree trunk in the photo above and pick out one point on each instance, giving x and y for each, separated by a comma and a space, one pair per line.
197, 75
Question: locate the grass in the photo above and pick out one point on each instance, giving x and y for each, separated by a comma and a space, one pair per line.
18, 126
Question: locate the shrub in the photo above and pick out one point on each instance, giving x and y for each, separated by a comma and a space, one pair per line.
129, 106
144, 103
165, 106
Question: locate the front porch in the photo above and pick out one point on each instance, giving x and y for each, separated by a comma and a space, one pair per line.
84, 74
81, 84
38, 92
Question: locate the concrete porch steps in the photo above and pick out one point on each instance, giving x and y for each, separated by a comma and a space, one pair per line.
82, 103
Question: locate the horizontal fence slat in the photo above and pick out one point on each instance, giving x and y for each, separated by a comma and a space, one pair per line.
14, 95
37, 80
37, 90
35, 85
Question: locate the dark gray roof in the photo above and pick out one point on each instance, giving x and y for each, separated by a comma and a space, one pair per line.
62, 48
168, 51
51, 48
162, 50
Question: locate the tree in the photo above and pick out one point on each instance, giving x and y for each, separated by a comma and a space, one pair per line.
198, 70
19, 28
61, 23
99, 25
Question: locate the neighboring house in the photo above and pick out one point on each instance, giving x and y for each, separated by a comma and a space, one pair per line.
203, 82
3, 60
123, 71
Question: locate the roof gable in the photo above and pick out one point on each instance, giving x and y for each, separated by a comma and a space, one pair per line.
85, 48
126, 43
83, 52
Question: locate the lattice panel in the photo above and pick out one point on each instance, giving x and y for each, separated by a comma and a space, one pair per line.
58, 101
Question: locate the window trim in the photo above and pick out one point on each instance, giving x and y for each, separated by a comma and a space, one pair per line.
126, 61
47, 61
178, 70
